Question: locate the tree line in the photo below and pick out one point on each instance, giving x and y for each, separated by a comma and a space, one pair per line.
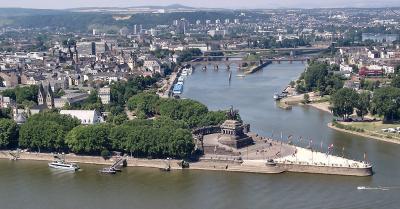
168, 134
383, 101
319, 77
193, 113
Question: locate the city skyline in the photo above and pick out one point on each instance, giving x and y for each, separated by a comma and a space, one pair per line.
233, 4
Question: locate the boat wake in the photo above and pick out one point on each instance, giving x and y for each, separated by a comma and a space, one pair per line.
377, 188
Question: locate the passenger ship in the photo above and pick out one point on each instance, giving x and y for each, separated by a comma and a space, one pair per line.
61, 164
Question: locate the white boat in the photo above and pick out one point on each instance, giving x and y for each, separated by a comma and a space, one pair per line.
61, 164
108, 170
240, 75
184, 73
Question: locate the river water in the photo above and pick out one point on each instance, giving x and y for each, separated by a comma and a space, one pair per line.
33, 185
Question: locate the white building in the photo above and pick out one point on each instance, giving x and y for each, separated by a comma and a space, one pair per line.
6, 102
346, 68
87, 117
105, 95
217, 32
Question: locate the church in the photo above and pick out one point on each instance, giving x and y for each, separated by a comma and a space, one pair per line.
45, 97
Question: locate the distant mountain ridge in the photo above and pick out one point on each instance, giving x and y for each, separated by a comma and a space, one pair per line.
172, 6
4, 12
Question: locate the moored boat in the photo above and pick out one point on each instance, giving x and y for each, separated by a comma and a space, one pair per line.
61, 164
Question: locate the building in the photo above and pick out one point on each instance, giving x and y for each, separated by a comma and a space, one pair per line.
153, 66
364, 71
10, 79
6, 102
217, 32
46, 97
69, 99
87, 117
105, 95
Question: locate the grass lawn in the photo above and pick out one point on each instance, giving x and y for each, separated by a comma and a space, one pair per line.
375, 128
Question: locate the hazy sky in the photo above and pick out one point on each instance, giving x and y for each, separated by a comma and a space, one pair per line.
62, 4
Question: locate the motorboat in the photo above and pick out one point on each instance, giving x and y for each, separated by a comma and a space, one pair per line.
61, 164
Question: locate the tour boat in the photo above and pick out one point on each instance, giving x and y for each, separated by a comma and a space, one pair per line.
178, 88
61, 164
181, 79
240, 76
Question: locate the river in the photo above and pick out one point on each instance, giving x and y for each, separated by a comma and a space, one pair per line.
33, 185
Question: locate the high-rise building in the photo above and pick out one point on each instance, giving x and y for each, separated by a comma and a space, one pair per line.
93, 48
135, 29
181, 26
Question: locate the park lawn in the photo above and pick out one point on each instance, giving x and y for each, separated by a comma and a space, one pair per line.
375, 128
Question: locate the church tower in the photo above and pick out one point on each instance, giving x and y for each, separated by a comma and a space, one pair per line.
50, 97
41, 95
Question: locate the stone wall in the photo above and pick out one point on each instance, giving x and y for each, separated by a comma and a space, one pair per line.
346, 171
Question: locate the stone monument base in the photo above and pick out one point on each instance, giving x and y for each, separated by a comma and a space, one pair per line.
235, 141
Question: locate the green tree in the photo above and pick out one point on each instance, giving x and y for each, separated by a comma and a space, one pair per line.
396, 82
386, 102
145, 103
46, 131
306, 98
21, 94
8, 133
344, 102
89, 139
363, 104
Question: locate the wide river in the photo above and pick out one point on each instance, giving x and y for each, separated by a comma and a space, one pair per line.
32, 185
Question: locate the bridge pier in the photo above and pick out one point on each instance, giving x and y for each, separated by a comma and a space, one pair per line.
228, 66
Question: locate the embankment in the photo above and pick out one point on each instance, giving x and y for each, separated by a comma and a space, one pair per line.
364, 134
344, 171
254, 69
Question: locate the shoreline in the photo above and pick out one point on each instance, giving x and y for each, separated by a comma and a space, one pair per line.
364, 134
283, 164
323, 106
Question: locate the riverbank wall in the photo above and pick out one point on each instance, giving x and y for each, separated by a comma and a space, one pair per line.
331, 170
247, 166
257, 68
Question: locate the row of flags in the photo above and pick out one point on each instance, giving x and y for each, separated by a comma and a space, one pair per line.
310, 143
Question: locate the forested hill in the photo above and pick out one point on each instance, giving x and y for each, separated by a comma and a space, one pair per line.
80, 21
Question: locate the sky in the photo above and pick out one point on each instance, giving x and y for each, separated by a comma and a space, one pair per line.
231, 4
